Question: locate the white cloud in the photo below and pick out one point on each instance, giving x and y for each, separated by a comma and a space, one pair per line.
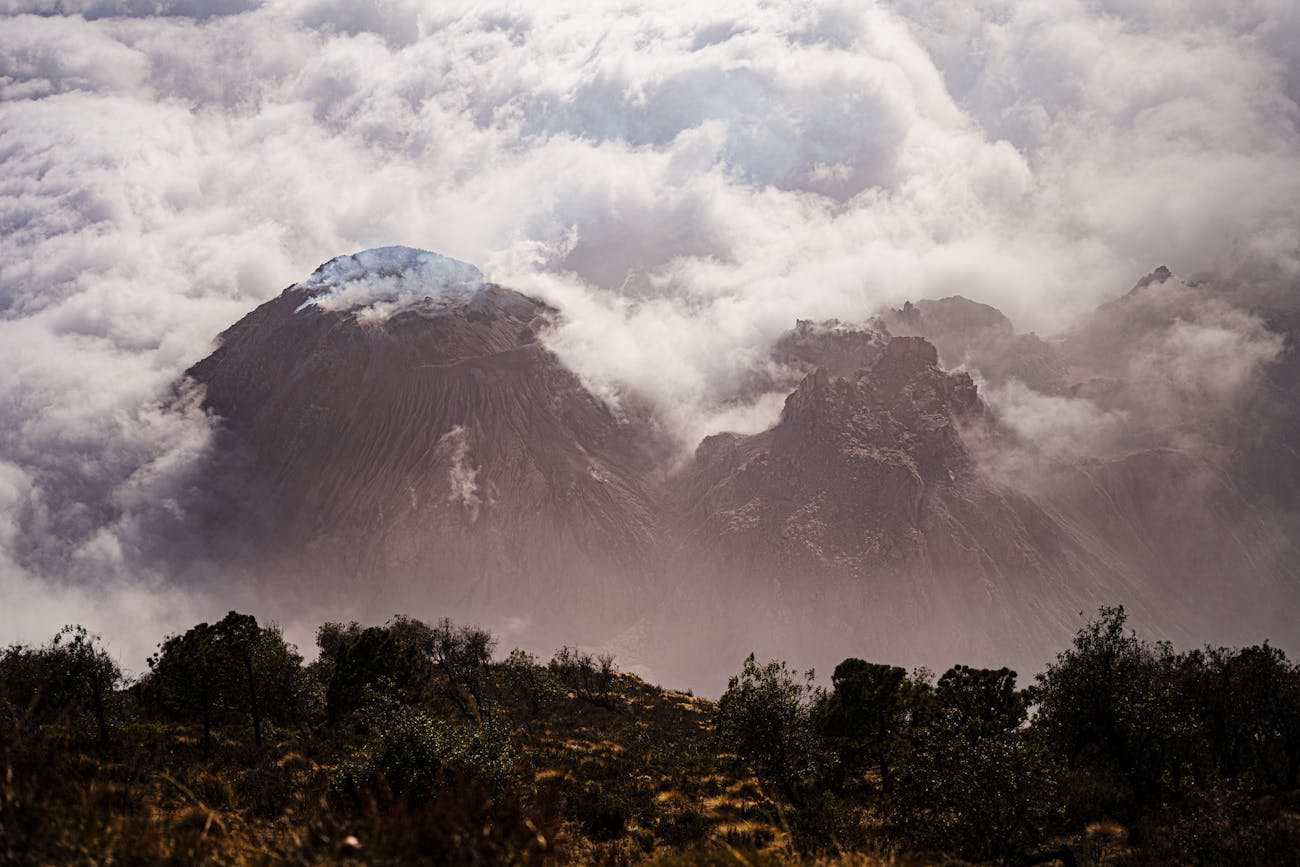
684, 179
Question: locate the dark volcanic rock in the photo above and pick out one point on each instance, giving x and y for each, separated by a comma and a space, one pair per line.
438, 458
862, 519
980, 338
395, 433
838, 348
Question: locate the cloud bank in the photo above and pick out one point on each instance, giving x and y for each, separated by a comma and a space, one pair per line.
682, 179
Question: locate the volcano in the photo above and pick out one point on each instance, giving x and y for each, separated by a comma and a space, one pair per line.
395, 431
413, 443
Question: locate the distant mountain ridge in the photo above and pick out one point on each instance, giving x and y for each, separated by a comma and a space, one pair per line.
403, 436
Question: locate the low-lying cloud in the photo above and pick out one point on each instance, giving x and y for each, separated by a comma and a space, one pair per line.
682, 179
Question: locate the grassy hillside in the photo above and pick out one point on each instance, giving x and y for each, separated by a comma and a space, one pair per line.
406, 744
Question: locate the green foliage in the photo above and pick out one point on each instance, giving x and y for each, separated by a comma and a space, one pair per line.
979, 791
983, 699
969, 779
766, 718
464, 656
869, 706
365, 664
408, 661
526, 683
1247, 702
215, 673
185, 677
1218, 825
1134, 754
68, 679
1152, 723
411, 753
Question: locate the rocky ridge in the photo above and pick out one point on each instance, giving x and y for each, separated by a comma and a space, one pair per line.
421, 449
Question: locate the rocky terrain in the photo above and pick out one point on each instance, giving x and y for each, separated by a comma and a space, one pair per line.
396, 432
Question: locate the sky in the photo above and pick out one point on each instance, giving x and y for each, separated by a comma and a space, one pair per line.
682, 179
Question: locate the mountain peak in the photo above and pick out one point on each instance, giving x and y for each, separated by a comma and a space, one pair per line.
1160, 275
383, 280
916, 351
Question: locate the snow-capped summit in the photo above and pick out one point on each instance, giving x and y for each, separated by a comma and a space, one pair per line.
378, 282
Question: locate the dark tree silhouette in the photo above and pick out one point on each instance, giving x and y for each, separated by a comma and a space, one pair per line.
527, 680
868, 706
218, 672
237, 636
766, 718
464, 656
982, 698
184, 676
590, 678
50, 682
364, 664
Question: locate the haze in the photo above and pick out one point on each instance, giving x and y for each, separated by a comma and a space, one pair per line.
683, 181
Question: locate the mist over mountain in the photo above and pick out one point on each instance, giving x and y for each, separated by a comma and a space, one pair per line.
677, 214
395, 435
436, 456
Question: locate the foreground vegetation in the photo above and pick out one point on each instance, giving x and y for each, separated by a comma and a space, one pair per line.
412, 743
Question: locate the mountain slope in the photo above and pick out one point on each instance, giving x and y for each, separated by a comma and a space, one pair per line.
396, 433
438, 454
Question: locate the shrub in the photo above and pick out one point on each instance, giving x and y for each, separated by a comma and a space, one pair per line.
527, 683
1218, 825
410, 753
986, 796
602, 815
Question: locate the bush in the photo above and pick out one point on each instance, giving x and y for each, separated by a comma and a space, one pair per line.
601, 814
411, 753
1218, 825
365, 664
526, 683
986, 796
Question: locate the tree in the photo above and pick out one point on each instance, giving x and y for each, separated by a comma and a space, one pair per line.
87, 670
237, 636
217, 672
1115, 704
982, 698
363, 664
970, 779
589, 678
986, 793
183, 676
52, 681
866, 709
766, 718
1248, 702
527, 680
464, 655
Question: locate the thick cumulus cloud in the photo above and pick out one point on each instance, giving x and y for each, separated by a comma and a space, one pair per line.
682, 179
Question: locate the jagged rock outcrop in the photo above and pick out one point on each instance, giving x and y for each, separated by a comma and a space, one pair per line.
979, 337
395, 430
837, 347
862, 518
